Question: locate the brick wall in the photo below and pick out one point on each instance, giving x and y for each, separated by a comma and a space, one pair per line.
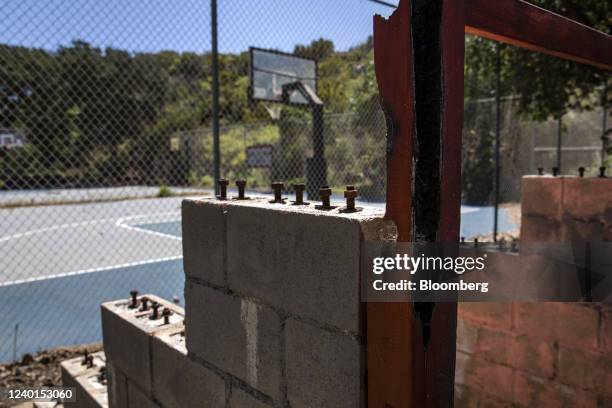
542, 354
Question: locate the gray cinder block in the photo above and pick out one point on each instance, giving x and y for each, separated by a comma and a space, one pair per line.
127, 333
90, 392
236, 335
177, 380
240, 399
139, 399
301, 260
203, 224
324, 369
117, 387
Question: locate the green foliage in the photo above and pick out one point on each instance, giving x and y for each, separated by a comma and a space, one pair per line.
164, 191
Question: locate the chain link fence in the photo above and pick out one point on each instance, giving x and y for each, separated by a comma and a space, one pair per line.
105, 125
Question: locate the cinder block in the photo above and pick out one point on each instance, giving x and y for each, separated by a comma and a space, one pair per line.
127, 333
177, 380
90, 388
542, 196
488, 344
531, 391
117, 387
540, 229
324, 369
582, 231
203, 224
137, 398
586, 370
586, 198
240, 399
301, 260
484, 376
236, 335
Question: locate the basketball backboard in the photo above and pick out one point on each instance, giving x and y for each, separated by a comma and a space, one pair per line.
271, 70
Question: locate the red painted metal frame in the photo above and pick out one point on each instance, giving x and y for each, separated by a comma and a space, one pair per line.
525, 25
401, 373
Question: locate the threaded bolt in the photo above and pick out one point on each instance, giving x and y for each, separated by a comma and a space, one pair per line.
90, 361
350, 195
581, 171
134, 295
241, 184
166, 313
145, 304
277, 186
155, 306
85, 357
299, 194
223, 183
325, 193
540, 171
602, 171
555, 171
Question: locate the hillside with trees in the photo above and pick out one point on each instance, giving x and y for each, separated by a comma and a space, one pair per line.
104, 117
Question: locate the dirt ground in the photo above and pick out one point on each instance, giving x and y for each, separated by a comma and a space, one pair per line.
42, 369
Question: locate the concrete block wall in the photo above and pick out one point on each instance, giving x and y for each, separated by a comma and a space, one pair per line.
88, 381
566, 209
273, 300
147, 360
542, 354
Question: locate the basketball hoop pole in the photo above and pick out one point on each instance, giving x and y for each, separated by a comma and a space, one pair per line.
316, 166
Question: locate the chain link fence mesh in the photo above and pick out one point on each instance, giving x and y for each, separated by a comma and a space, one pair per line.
105, 124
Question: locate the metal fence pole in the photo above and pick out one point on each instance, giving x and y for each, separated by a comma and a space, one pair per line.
497, 137
559, 142
215, 97
604, 124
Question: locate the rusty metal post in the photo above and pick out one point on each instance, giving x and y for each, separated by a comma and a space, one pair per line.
419, 56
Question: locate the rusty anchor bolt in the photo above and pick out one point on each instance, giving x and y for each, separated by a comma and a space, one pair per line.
325, 193
540, 171
555, 171
277, 186
602, 172
102, 375
166, 313
222, 189
155, 306
350, 194
299, 194
85, 358
145, 304
241, 184
581, 171
134, 295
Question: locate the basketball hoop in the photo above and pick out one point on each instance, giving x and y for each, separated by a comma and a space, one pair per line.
274, 110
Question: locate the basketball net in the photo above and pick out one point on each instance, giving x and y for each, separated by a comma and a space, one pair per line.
274, 110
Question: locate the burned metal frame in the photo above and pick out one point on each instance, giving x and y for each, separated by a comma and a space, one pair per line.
419, 59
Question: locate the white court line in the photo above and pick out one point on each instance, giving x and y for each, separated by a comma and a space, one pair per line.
54, 228
120, 223
86, 271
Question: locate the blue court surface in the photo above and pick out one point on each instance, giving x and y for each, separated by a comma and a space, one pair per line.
50, 311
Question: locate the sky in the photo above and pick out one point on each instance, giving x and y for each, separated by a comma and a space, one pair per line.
185, 25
